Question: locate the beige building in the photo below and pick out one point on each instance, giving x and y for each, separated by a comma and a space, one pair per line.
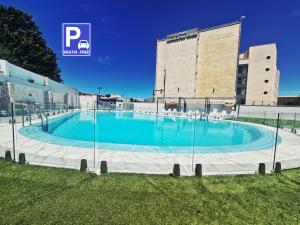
198, 64
258, 76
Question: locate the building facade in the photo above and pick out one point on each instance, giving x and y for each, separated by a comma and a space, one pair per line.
23, 86
199, 64
258, 76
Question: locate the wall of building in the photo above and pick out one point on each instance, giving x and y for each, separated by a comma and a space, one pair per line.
148, 106
181, 68
87, 101
160, 68
289, 100
20, 85
217, 62
263, 75
198, 63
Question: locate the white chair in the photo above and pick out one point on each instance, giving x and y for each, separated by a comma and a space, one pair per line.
214, 113
169, 111
233, 114
189, 113
224, 114
174, 112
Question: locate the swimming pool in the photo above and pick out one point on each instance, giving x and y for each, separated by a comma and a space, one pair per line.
127, 131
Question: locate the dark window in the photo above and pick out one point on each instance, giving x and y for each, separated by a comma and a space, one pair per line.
240, 69
178, 89
267, 69
244, 81
266, 81
213, 90
268, 57
265, 92
243, 69
30, 80
243, 91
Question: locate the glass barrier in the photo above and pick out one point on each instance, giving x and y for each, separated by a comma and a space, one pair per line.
151, 138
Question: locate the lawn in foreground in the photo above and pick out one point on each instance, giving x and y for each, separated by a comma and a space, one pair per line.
41, 195
270, 122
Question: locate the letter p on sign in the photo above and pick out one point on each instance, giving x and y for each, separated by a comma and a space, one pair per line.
73, 37
76, 39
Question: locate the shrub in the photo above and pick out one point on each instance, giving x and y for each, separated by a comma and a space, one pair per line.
103, 167
278, 167
22, 159
8, 156
176, 170
295, 130
198, 170
83, 165
262, 168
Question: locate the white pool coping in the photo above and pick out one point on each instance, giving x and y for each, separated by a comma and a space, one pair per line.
47, 154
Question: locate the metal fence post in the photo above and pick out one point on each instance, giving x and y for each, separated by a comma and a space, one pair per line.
157, 105
29, 109
194, 136
276, 139
94, 135
294, 126
22, 115
13, 129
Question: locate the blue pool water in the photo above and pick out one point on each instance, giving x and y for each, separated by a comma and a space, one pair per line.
137, 132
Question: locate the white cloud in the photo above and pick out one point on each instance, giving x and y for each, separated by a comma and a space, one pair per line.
295, 13
105, 60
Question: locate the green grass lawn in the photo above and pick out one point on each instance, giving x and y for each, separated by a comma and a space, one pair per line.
271, 122
41, 195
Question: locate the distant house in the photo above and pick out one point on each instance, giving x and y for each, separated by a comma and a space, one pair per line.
289, 100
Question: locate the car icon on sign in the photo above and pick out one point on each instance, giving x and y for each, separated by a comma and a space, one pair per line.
83, 44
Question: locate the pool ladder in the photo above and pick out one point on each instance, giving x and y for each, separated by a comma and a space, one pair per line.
41, 114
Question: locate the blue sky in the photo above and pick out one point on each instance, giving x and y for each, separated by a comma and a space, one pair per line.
124, 35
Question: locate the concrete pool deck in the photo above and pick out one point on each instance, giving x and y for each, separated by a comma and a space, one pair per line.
43, 153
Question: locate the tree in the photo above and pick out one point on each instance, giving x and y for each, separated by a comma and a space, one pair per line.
22, 44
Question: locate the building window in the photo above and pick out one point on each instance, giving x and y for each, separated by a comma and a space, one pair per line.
213, 91
244, 81
266, 81
265, 92
268, 57
178, 89
243, 69
267, 69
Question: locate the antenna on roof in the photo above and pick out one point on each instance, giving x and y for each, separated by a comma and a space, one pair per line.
242, 18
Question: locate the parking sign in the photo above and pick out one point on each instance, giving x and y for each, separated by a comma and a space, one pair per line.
76, 39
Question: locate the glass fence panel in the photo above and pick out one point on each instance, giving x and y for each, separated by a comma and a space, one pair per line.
7, 132
197, 137
287, 152
227, 144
